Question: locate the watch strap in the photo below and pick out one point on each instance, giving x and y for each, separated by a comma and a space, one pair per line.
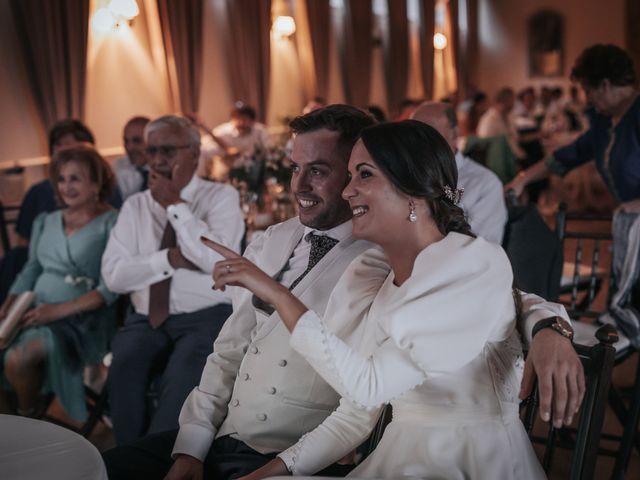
554, 324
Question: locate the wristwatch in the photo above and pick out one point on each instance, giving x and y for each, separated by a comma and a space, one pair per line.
558, 324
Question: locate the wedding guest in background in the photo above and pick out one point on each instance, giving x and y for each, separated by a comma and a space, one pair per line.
154, 254
483, 199
73, 317
524, 110
608, 78
479, 105
497, 121
210, 148
39, 198
131, 171
574, 109
243, 132
529, 126
555, 119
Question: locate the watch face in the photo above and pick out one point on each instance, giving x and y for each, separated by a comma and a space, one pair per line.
564, 324
563, 328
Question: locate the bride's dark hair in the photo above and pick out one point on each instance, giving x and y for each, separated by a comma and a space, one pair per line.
420, 163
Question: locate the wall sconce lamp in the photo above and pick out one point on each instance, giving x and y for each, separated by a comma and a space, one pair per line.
114, 15
283, 26
439, 41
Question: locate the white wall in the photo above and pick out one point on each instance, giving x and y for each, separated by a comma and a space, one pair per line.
503, 37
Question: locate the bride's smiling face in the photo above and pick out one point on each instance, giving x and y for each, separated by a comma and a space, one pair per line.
379, 209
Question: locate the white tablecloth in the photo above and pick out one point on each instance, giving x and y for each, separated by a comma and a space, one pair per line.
33, 449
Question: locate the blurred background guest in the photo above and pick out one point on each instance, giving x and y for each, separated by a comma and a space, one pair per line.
608, 78
131, 171
477, 107
243, 132
497, 121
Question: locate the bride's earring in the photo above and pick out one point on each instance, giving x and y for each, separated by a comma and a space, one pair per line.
412, 212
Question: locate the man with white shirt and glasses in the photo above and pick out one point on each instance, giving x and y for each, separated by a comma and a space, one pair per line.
155, 255
257, 398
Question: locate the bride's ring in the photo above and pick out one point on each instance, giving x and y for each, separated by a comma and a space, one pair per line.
228, 267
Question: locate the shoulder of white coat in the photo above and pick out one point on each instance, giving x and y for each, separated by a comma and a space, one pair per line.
459, 257
365, 274
372, 262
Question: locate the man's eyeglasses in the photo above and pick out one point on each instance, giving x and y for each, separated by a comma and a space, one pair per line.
168, 151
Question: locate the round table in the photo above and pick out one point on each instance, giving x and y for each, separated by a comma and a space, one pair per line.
33, 449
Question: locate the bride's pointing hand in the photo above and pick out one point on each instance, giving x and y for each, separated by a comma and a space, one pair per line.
235, 270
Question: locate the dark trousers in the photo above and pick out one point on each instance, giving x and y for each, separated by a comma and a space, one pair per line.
150, 458
172, 356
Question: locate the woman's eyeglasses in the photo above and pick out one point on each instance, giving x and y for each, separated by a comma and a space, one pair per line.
168, 151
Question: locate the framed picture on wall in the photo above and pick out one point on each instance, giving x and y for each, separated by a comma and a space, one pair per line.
545, 35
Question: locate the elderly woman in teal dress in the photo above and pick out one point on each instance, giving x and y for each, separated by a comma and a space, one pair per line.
73, 316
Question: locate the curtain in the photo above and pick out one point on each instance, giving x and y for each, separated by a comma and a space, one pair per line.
53, 42
313, 37
396, 54
355, 51
464, 42
181, 24
247, 41
427, 30
453, 12
632, 15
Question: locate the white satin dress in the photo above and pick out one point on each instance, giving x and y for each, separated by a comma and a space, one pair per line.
443, 350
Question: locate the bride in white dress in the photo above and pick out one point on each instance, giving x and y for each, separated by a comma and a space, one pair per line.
437, 339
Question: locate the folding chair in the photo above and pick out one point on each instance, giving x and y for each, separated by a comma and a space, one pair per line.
597, 361
96, 401
587, 285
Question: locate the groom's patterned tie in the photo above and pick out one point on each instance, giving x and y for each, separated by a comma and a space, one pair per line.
320, 246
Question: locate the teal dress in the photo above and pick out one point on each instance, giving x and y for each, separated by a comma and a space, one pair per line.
61, 268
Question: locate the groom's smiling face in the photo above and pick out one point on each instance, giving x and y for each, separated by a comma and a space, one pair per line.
319, 165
